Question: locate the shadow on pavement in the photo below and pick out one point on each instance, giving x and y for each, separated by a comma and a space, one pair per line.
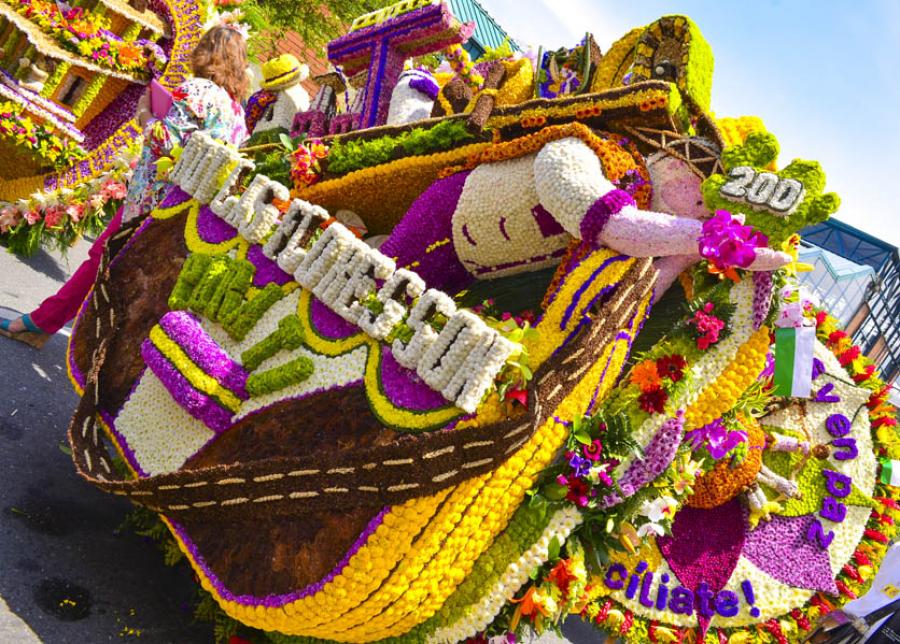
67, 572
46, 264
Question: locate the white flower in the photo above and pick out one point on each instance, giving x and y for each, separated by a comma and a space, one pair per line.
648, 528
658, 509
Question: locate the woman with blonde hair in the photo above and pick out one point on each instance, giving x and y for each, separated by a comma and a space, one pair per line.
209, 102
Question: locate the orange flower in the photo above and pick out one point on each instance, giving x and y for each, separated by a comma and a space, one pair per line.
129, 55
646, 376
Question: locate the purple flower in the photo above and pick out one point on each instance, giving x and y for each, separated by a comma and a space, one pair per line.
727, 243
717, 439
580, 465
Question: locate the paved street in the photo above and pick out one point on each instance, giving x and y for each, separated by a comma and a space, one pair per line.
66, 574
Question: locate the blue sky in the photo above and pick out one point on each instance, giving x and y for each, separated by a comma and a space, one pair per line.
824, 76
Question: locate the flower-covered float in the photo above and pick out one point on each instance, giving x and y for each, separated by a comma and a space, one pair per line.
467, 375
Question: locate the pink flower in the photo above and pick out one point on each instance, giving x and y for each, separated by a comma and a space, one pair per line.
9, 217
113, 190
32, 217
593, 451
75, 211
727, 243
707, 325
54, 216
96, 201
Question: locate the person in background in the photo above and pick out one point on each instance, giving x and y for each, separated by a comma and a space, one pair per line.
208, 102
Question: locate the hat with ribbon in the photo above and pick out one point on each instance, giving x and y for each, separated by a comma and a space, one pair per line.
283, 72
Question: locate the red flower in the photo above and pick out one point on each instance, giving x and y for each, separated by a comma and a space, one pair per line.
519, 395
578, 492
865, 374
653, 400
562, 576
234, 639
671, 367
849, 356
179, 94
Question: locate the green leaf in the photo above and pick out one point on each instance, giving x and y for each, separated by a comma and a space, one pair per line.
554, 491
583, 437
286, 141
553, 549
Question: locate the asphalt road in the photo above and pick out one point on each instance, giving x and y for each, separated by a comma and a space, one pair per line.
68, 575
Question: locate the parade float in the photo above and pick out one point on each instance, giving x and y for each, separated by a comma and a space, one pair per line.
458, 377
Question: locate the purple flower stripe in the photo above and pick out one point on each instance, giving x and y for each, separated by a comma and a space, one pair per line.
585, 319
113, 116
426, 85
573, 262
175, 196
597, 215
329, 324
211, 228
404, 388
185, 330
274, 601
267, 271
427, 221
202, 407
657, 456
570, 309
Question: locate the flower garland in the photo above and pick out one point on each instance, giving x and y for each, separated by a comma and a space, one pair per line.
61, 216
88, 35
37, 138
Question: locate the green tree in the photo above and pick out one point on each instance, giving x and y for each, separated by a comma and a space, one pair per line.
315, 22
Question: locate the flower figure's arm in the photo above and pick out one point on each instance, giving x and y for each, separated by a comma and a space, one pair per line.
572, 187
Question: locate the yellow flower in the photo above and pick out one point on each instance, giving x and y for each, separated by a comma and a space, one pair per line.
790, 246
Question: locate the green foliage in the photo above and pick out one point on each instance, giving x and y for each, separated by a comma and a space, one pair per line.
277, 378
208, 611
146, 523
697, 84
288, 336
500, 52
348, 156
315, 22
758, 151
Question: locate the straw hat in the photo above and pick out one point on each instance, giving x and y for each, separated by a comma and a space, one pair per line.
282, 72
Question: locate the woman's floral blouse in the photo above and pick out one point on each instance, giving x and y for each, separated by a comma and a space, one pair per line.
199, 104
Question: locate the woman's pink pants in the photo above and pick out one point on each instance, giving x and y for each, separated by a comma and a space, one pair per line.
60, 308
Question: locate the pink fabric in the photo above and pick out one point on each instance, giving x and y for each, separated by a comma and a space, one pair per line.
62, 307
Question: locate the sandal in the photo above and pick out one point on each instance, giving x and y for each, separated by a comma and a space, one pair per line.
32, 335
